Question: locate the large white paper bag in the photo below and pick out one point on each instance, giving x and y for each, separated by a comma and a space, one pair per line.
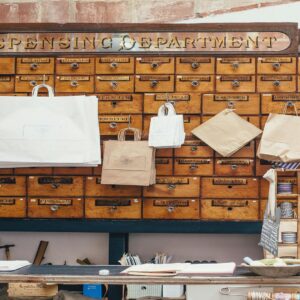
226, 132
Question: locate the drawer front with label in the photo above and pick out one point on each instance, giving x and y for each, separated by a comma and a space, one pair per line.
115, 65
193, 166
195, 83
171, 209
35, 65
195, 65
25, 83
75, 65
229, 187
154, 83
184, 103
112, 124
234, 167
69, 186
245, 152
236, 84
174, 187
276, 65
113, 208
12, 185
164, 165
74, 84
274, 103
194, 149
7, 65
154, 65
12, 207
236, 65
229, 209
114, 84
7, 84
120, 103
94, 188
55, 207
276, 83
244, 104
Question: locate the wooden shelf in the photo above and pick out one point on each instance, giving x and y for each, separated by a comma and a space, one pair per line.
287, 196
287, 245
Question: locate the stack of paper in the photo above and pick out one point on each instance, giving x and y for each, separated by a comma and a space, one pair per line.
12, 265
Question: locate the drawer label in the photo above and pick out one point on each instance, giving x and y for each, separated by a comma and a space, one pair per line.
231, 98
115, 97
61, 202
240, 60
7, 201
117, 119
230, 203
193, 161
33, 77
5, 78
194, 78
8, 180
190, 60
276, 77
171, 203
112, 202
68, 60
41, 60
55, 180
114, 59
172, 180
276, 60
172, 97
242, 162
229, 181
238, 78
113, 78
149, 60
287, 180
70, 78
286, 97
153, 77
162, 161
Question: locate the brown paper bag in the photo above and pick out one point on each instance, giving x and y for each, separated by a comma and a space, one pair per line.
128, 162
226, 132
280, 140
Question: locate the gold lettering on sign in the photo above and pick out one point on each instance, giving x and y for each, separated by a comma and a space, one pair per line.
229, 181
115, 97
172, 180
65, 202
172, 203
117, 119
231, 98
286, 97
172, 97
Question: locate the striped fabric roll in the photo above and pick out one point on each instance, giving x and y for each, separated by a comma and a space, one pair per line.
287, 166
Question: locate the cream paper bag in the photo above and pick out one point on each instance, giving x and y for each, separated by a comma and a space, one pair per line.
226, 132
280, 140
128, 162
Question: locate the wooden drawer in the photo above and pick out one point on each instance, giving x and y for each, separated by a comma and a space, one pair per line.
234, 167
276, 83
193, 166
276, 65
262, 166
190, 122
229, 187
171, 209
255, 120
114, 84
25, 83
115, 65
70, 186
55, 207
263, 205
154, 65
7, 84
72, 171
230, 209
264, 185
236, 65
112, 124
164, 165
12, 207
12, 185
74, 84
194, 149
184, 103
174, 187
33, 171
274, 103
113, 208
195, 83
235, 83
164, 152
245, 152
120, 103
75, 65
7, 65
94, 188
154, 83
195, 65
244, 104
35, 65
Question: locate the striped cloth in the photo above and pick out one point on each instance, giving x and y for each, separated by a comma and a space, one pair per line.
287, 166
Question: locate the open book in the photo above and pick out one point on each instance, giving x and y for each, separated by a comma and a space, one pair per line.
12, 265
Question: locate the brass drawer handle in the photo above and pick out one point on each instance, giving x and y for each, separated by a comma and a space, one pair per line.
230, 104
171, 187
154, 83
234, 167
114, 65
276, 66
54, 207
114, 85
195, 83
33, 83
55, 185
193, 167
74, 83
235, 65
113, 125
235, 83
113, 208
154, 65
195, 65
74, 66
170, 209
276, 83
114, 103
194, 148
33, 66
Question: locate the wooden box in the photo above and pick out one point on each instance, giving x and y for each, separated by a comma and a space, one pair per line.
276, 83
236, 65
74, 84
75, 65
25, 83
113, 208
154, 65
193, 166
115, 65
114, 84
154, 83
35, 65
171, 209
12, 186
12, 207
195, 65
276, 65
195, 83
235, 167
235, 83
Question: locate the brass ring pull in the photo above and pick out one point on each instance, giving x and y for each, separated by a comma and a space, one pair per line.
276, 83
171, 186
74, 83
33, 66
276, 66
74, 66
194, 148
235, 83
230, 105
54, 207
235, 65
55, 185
170, 209
154, 65
33, 83
195, 83
154, 83
114, 65
113, 125
114, 85
193, 167
234, 167
195, 65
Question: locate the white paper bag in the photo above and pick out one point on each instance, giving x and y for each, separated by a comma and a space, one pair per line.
167, 128
50, 131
